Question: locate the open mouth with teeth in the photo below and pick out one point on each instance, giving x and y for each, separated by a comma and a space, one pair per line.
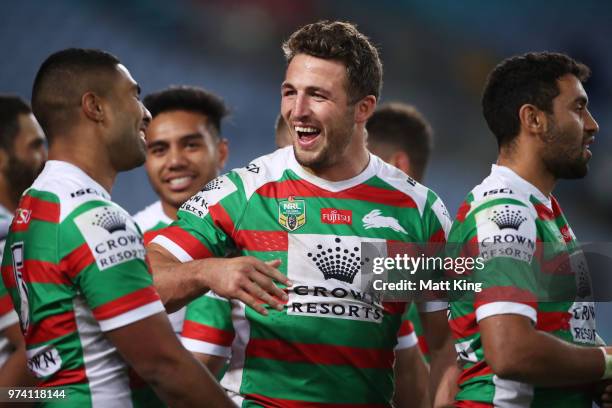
179, 183
307, 135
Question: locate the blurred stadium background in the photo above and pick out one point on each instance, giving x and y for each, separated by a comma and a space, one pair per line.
436, 55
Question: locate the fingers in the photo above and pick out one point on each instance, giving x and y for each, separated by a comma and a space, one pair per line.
269, 268
252, 301
271, 293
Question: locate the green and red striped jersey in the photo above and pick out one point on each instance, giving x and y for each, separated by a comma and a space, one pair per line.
522, 236
333, 344
151, 220
8, 317
75, 268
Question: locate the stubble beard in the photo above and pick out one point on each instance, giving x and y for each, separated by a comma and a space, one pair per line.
563, 159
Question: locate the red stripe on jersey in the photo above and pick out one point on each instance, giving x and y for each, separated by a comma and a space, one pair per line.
324, 354
149, 235
43, 272
423, 345
126, 303
222, 219
8, 277
553, 321
394, 307
51, 327
361, 192
464, 208
505, 294
6, 304
77, 260
65, 377
209, 334
269, 402
186, 241
262, 240
464, 326
472, 404
544, 213
479, 369
39, 210
406, 328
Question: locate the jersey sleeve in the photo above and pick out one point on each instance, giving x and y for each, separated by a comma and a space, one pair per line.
206, 222
436, 226
406, 336
8, 316
208, 328
102, 253
505, 233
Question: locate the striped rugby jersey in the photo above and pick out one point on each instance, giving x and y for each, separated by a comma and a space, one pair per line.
75, 268
8, 317
332, 345
151, 220
526, 242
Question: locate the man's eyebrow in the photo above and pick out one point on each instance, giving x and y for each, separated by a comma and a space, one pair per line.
157, 143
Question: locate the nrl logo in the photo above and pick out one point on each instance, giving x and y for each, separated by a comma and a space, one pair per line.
375, 219
292, 213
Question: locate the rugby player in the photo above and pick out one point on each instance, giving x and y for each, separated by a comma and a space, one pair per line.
22, 155
519, 345
306, 204
75, 263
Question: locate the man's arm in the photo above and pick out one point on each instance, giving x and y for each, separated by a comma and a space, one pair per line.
444, 369
213, 363
159, 361
244, 278
411, 379
14, 372
516, 350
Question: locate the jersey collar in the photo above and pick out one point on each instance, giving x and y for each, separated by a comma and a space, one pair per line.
63, 167
520, 183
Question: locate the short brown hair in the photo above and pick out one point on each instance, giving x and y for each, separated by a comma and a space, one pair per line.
337, 40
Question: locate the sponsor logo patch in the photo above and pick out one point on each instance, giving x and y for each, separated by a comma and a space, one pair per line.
334, 216
292, 213
42, 363
22, 216
111, 236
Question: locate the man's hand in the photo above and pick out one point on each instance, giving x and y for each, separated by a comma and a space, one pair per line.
247, 279
244, 278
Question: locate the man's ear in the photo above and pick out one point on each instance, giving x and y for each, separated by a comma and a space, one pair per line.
223, 152
91, 105
533, 120
365, 108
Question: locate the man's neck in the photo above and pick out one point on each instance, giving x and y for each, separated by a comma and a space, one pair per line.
532, 171
170, 210
96, 166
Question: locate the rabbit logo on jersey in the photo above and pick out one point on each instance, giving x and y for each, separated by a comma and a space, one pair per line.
111, 236
326, 272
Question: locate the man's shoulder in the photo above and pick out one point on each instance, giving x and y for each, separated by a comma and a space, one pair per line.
262, 170
151, 216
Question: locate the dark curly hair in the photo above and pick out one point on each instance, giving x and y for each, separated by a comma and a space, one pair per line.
337, 40
526, 79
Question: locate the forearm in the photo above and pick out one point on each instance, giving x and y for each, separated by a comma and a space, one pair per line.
544, 360
411, 380
195, 386
177, 283
444, 374
14, 372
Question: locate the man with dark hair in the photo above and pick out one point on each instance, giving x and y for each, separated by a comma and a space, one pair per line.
519, 343
75, 263
400, 135
311, 204
22, 155
185, 151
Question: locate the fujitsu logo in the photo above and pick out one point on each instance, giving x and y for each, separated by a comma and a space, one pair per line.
334, 216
